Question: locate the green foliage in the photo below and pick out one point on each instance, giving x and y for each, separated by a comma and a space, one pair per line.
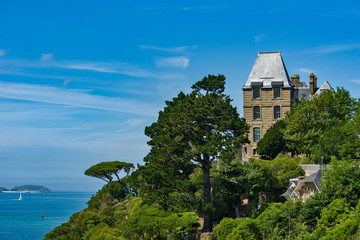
109, 194
149, 223
274, 222
304, 160
101, 232
343, 180
322, 126
335, 213
211, 83
225, 227
271, 177
191, 132
312, 208
247, 229
238, 228
105, 170
273, 141
30, 188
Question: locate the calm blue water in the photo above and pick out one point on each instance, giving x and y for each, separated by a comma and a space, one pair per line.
21, 220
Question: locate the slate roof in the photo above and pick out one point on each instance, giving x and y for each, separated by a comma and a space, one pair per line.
268, 70
315, 178
324, 86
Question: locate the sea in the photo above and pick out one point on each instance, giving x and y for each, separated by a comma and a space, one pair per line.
22, 219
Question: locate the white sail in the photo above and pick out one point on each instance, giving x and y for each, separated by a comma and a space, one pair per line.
20, 198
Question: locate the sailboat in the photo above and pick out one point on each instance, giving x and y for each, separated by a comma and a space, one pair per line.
20, 198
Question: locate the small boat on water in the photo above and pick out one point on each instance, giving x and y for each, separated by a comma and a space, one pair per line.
20, 198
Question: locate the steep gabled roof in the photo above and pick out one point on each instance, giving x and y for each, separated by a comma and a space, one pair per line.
324, 86
268, 70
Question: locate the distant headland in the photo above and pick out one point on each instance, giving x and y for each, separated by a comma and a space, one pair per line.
26, 188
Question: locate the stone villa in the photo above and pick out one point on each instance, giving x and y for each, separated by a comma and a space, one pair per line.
268, 95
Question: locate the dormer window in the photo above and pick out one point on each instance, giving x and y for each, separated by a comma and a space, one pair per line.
276, 92
256, 93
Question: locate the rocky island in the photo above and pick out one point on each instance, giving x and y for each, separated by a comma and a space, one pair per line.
26, 188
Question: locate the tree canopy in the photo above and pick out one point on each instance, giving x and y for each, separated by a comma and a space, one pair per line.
273, 141
106, 170
192, 132
323, 126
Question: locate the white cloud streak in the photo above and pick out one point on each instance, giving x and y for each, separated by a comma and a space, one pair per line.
73, 98
103, 67
334, 48
178, 50
173, 62
357, 81
46, 56
305, 70
259, 37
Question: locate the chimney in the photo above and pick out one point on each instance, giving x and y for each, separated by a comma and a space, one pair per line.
313, 83
295, 79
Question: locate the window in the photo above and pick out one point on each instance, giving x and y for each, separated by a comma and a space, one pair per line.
276, 92
256, 134
256, 93
255, 153
277, 112
256, 113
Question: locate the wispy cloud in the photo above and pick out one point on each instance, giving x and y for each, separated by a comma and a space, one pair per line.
46, 56
305, 70
173, 62
66, 82
334, 48
178, 50
104, 67
2, 52
259, 37
74, 98
357, 81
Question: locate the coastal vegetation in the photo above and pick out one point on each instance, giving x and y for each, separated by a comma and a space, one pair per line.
193, 184
3, 189
27, 188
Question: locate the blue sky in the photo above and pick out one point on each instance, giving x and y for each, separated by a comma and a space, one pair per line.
80, 80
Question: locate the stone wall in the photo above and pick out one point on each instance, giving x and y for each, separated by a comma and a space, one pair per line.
266, 102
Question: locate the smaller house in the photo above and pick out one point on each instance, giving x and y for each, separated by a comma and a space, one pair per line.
304, 187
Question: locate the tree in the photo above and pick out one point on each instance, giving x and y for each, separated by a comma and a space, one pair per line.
105, 170
308, 122
273, 141
193, 131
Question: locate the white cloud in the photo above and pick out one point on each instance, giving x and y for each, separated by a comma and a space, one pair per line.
66, 82
259, 37
357, 81
181, 49
104, 67
93, 67
327, 49
175, 62
74, 98
2, 52
46, 56
305, 70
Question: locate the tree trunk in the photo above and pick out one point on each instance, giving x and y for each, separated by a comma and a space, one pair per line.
206, 166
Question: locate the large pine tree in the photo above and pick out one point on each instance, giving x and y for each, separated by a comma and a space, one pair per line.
192, 132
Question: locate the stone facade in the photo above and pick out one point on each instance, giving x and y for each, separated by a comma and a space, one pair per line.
267, 118
268, 95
